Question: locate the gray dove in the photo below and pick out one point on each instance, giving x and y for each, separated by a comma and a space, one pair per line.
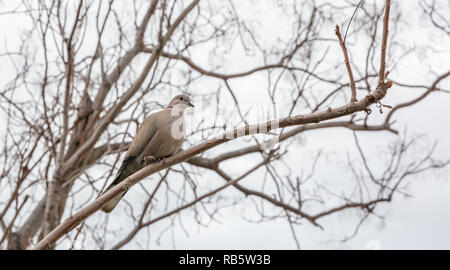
160, 135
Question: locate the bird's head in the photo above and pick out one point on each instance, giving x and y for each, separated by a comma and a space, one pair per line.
180, 101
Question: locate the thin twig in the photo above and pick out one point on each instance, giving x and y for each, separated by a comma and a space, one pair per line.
347, 64
8, 229
351, 19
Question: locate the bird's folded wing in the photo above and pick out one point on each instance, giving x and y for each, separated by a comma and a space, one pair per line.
144, 134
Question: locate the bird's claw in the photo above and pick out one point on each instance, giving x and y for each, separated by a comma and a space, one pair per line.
163, 159
148, 159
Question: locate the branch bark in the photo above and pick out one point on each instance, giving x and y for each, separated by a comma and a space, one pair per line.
347, 64
71, 222
381, 76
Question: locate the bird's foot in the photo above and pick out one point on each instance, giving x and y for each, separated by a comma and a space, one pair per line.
163, 159
148, 159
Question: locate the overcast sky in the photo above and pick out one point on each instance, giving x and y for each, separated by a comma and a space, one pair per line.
420, 222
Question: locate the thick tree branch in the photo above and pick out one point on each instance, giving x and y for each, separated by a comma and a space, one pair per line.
316, 117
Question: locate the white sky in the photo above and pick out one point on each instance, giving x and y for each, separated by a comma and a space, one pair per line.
420, 222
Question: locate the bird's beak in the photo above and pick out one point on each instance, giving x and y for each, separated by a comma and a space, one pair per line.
191, 105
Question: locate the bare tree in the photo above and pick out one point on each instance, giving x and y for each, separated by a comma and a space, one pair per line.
86, 73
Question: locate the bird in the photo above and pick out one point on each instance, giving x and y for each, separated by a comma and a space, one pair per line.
161, 135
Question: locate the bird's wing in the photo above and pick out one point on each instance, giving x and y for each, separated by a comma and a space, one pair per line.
144, 134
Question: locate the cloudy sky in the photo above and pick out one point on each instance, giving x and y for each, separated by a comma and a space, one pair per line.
419, 222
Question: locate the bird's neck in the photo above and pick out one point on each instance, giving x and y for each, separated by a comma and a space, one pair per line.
177, 110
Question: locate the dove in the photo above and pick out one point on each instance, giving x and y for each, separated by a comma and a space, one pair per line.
161, 135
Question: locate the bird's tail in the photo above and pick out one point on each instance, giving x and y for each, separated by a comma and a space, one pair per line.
123, 173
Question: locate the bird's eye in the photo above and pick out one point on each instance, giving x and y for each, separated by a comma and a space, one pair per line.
181, 98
